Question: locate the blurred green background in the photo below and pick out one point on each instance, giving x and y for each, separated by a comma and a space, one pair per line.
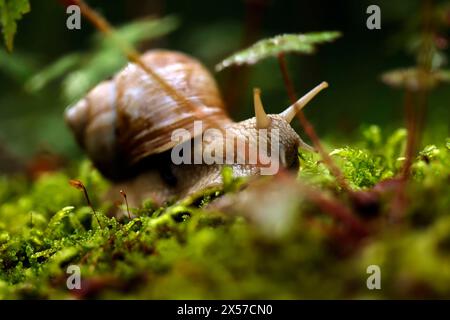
31, 120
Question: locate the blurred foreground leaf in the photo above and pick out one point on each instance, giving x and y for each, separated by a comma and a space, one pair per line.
10, 12
298, 43
53, 71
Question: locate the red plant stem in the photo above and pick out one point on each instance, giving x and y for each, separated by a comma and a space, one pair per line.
411, 123
399, 202
286, 78
309, 129
415, 106
415, 110
333, 206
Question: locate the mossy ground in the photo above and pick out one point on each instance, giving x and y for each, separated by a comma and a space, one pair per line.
185, 250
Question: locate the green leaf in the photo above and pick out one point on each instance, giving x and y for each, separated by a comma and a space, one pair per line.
298, 43
83, 71
10, 12
53, 71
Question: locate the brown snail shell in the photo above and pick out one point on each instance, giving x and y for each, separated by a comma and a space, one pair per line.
128, 118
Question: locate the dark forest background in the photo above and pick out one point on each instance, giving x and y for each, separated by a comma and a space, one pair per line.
31, 122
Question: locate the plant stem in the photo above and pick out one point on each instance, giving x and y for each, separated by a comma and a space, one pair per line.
415, 105
286, 78
80, 186
309, 129
90, 205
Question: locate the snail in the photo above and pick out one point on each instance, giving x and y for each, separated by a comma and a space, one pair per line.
126, 126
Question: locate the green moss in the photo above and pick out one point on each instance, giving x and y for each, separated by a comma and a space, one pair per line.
183, 250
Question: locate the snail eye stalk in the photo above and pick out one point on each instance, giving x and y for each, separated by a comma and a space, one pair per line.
292, 110
262, 120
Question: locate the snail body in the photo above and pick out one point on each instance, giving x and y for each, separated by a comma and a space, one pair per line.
126, 127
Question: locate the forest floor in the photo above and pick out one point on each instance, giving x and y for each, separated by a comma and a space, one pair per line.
280, 238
